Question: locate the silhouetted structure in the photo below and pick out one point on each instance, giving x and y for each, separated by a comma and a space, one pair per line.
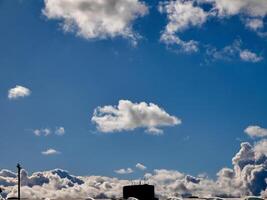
19, 168
141, 192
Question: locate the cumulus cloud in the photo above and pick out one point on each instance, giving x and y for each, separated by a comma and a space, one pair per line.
18, 92
60, 131
128, 116
140, 166
97, 19
124, 171
50, 152
256, 131
247, 177
181, 16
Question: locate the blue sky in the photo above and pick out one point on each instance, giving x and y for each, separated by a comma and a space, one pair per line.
216, 95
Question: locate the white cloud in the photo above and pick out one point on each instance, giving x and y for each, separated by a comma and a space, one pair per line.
42, 132
256, 131
18, 92
248, 56
251, 12
253, 8
261, 148
185, 14
181, 16
247, 177
128, 116
190, 46
50, 152
97, 19
254, 24
140, 166
124, 171
60, 131
232, 52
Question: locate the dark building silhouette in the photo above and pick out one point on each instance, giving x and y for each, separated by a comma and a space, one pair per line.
19, 169
141, 192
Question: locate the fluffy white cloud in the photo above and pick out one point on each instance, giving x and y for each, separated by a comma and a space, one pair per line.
42, 132
181, 16
92, 19
18, 91
256, 131
124, 171
129, 116
50, 152
60, 131
140, 166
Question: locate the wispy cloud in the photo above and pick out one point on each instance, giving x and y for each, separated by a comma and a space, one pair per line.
18, 92
232, 52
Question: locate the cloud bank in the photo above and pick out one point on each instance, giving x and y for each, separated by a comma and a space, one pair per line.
97, 19
247, 177
128, 116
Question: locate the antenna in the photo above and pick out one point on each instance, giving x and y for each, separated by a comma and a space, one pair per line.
19, 168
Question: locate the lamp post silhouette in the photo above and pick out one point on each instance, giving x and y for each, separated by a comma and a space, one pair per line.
19, 168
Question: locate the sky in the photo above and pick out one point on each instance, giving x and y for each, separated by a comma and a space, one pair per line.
96, 87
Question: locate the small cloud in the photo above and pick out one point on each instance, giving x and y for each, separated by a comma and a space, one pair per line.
18, 92
124, 171
42, 132
256, 131
140, 166
254, 24
50, 152
248, 56
60, 131
154, 131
